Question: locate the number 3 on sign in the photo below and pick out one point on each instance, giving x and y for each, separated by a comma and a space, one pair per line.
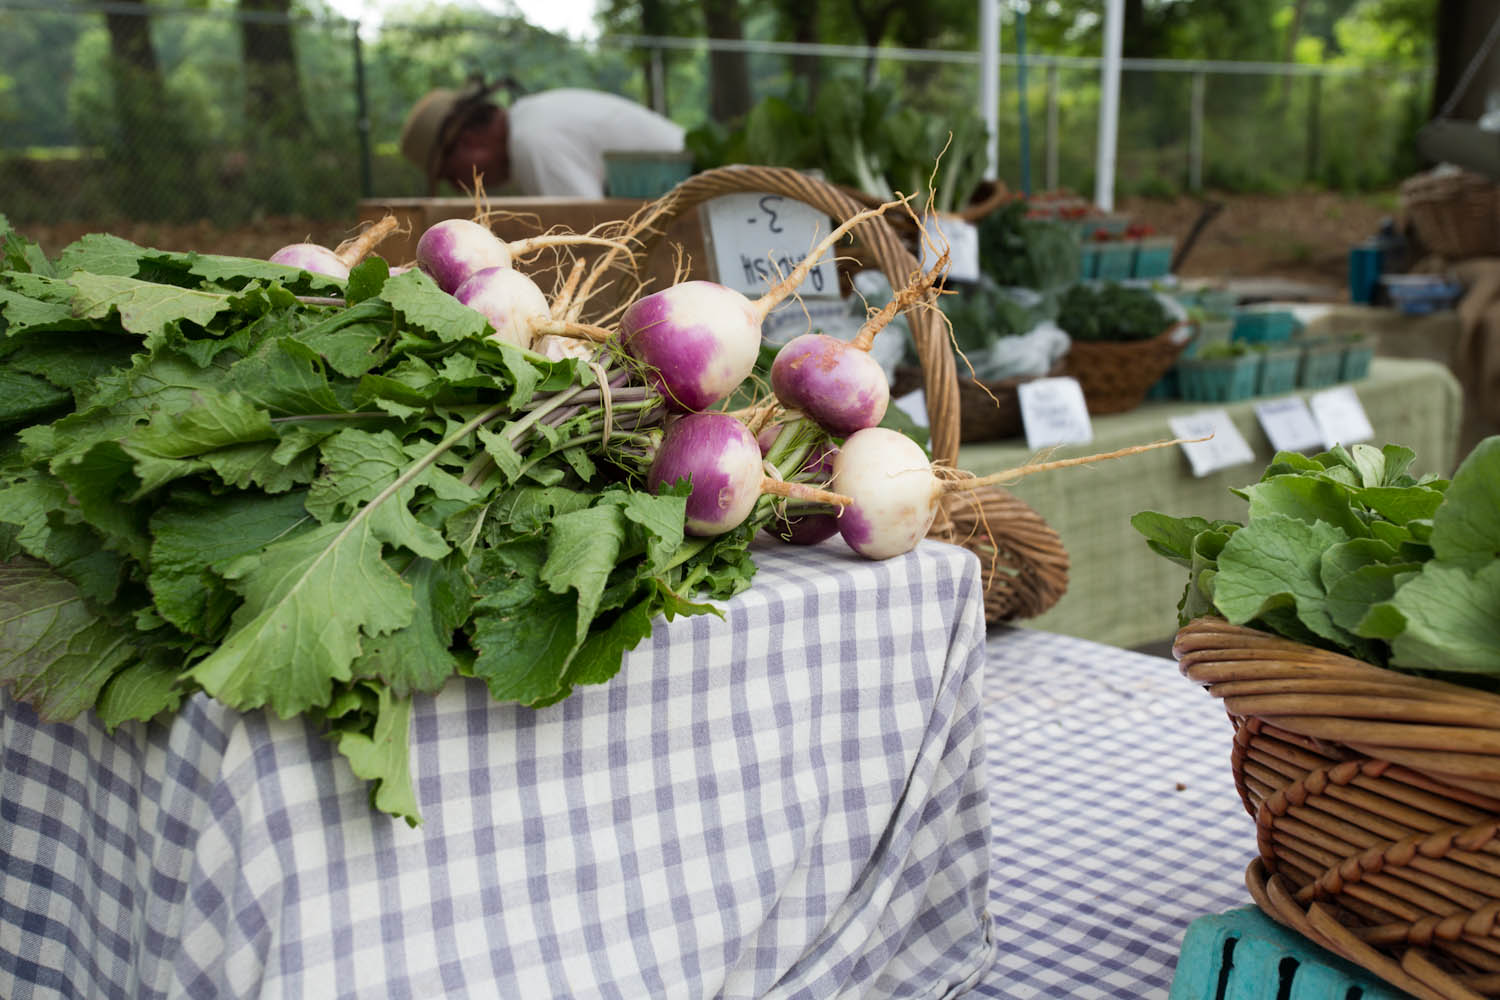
755, 239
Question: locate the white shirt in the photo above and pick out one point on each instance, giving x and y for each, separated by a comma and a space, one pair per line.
558, 139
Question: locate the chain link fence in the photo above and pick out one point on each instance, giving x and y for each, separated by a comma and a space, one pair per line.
212, 121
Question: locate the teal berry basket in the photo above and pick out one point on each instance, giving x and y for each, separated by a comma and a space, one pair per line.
1278, 370
1322, 363
1264, 326
644, 175
1116, 259
1355, 363
1088, 261
1219, 380
1245, 955
1153, 257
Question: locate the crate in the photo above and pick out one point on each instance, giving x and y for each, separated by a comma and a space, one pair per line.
1264, 326
1278, 370
1210, 333
1088, 261
1219, 380
1116, 258
1322, 363
644, 175
1355, 363
1153, 257
1166, 388
1245, 955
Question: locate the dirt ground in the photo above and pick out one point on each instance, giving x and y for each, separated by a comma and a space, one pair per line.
1302, 237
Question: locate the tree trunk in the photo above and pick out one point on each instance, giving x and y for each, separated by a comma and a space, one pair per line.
273, 87
802, 19
1462, 26
138, 86
654, 22
728, 72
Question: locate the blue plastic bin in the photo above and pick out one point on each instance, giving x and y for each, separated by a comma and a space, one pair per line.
1116, 258
1279, 366
1153, 258
1264, 326
1245, 955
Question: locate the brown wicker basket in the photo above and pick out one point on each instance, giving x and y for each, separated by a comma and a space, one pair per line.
1028, 544
1456, 214
1117, 374
1376, 798
988, 410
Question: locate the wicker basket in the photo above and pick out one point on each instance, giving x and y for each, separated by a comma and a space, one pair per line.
1031, 572
988, 410
1456, 214
1376, 798
1117, 374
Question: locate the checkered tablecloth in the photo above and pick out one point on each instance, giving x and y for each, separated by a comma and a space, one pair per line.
1116, 822
790, 802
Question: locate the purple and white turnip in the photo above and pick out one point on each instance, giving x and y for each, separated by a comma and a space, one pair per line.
318, 259
452, 250
698, 340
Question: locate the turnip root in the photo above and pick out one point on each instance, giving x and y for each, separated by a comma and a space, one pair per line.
699, 339
719, 455
836, 383
895, 492
334, 263
452, 250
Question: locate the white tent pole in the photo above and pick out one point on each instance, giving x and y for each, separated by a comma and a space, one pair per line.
1109, 105
989, 82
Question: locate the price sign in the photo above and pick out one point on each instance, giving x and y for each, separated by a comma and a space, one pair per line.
1225, 448
1341, 416
962, 240
795, 317
756, 239
1289, 424
1053, 412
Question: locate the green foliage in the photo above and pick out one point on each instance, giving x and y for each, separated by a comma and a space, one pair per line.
1022, 252
1111, 312
1348, 551
210, 485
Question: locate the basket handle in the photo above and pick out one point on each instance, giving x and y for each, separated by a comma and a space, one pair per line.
939, 374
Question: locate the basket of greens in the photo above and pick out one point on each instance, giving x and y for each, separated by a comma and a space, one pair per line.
1351, 627
1124, 339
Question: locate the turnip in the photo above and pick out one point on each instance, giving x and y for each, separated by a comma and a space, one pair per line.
894, 491
517, 308
334, 263
836, 383
699, 340
718, 454
454, 249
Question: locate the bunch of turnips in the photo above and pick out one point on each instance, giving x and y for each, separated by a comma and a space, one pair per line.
322, 485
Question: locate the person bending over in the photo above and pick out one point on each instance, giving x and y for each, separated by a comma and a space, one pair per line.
551, 143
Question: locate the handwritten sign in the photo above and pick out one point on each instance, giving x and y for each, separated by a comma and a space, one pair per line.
1225, 448
756, 239
796, 316
1289, 424
1053, 412
1341, 416
962, 241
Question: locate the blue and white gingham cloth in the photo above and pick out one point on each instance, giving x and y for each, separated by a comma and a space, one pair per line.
790, 802
1116, 822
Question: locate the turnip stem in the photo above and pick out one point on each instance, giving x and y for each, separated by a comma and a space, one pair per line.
1020, 471
565, 328
774, 297
359, 248
802, 491
520, 248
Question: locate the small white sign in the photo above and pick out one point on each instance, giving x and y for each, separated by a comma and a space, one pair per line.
757, 239
1289, 424
795, 317
1225, 448
1341, 416
962, 241
1053, 412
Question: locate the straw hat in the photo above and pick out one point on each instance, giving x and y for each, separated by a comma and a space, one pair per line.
436, 119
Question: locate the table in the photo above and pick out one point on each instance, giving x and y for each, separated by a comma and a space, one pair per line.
1116, 822
789, 802
1121, 593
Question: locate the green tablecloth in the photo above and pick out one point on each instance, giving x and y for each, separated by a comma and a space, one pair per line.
1121, 593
